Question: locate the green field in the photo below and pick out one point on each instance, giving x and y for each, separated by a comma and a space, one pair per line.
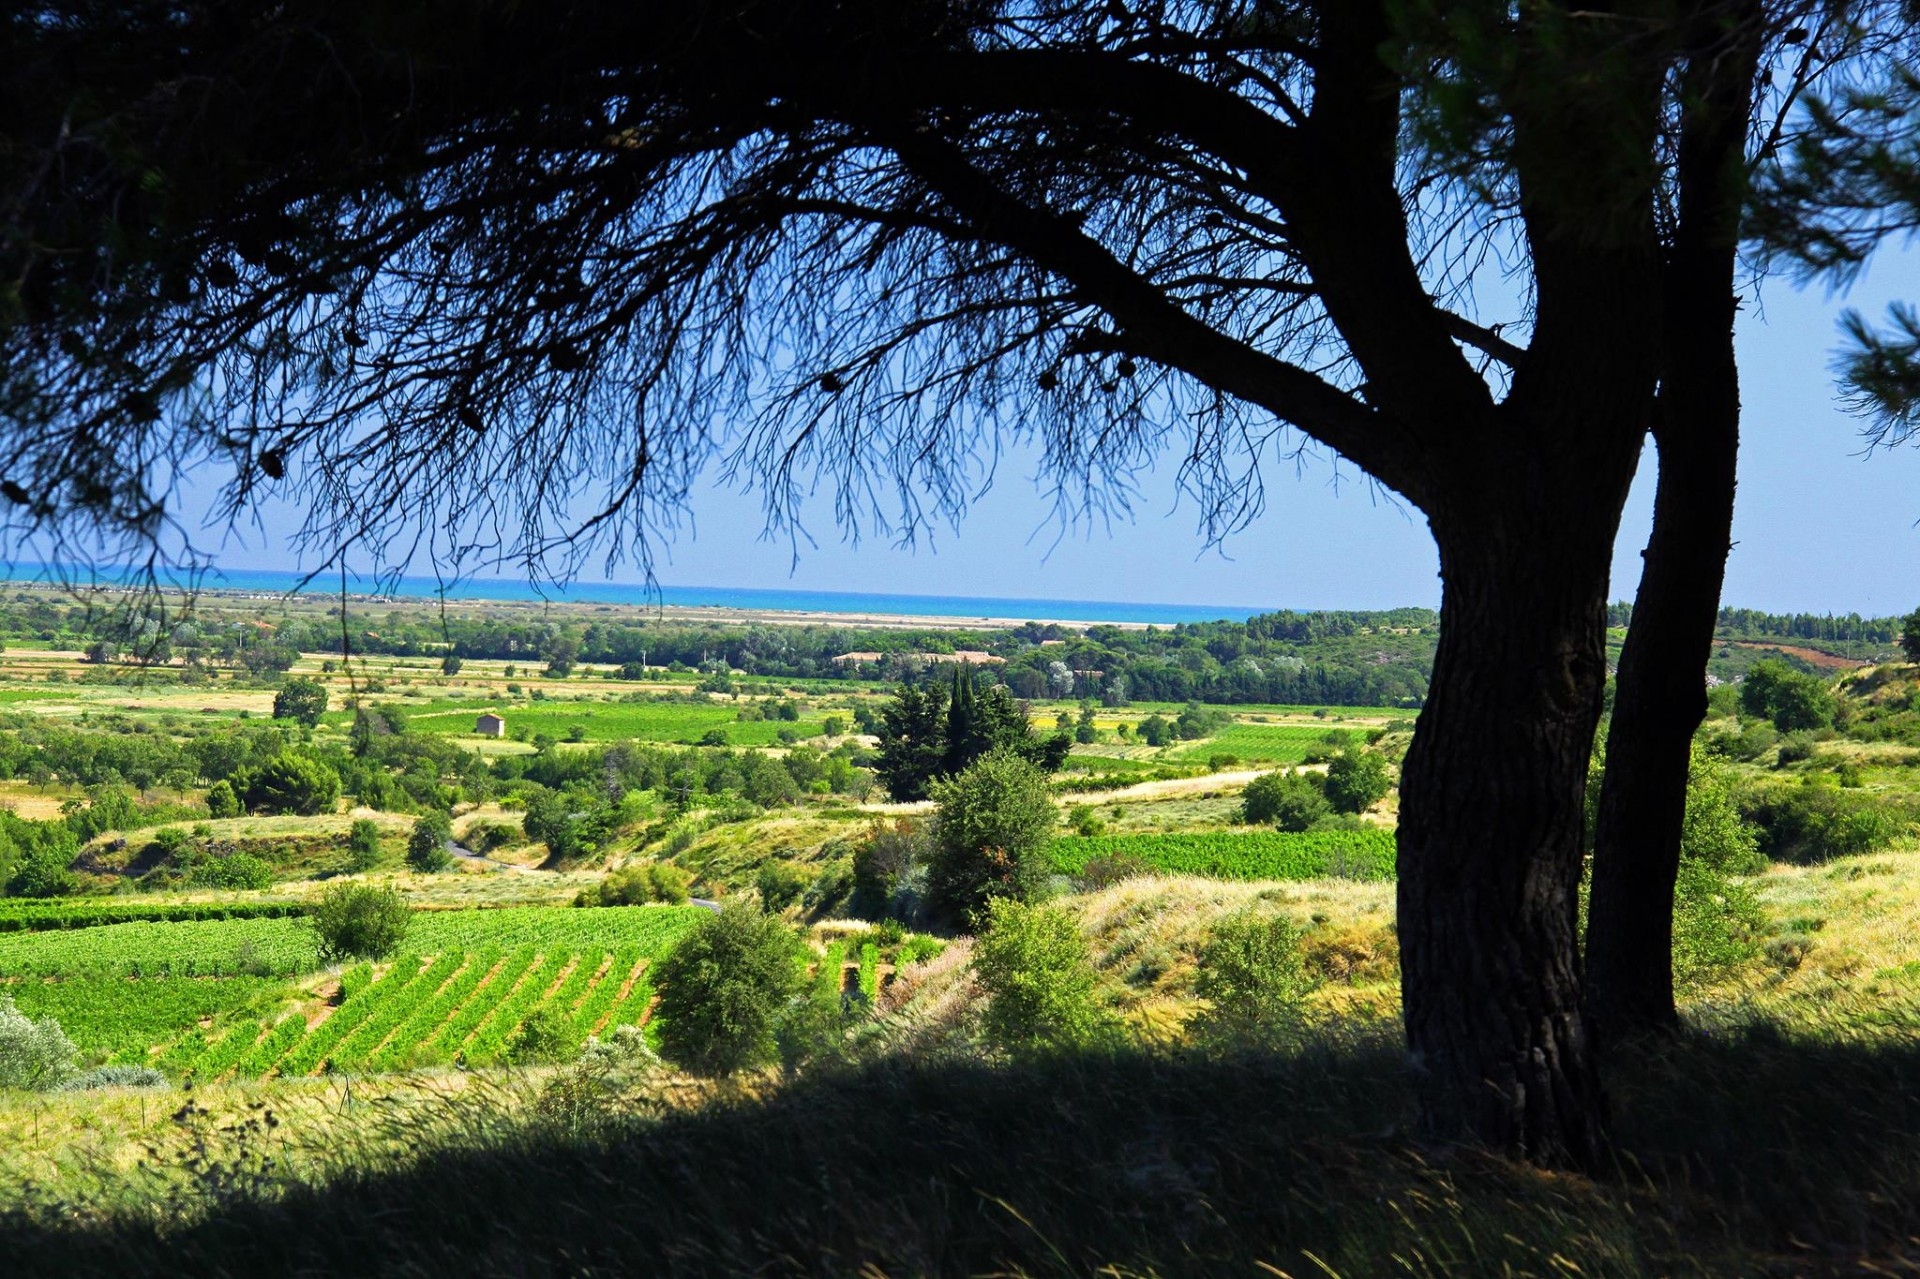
216, 997
1347, 854
597, 721
1265, 743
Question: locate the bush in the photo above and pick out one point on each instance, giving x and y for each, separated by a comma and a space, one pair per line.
1815, 822
670, 884
363, 845
545, 1037
723, 990
114, 1077
1291, 801
221, 801
1716, 924
236, 870
292, 783
780, 884
359, 921
1039, 981
427, 845
44, 872
890, 858
1356, 781
1792, 700
34, 1055
1253, 980
990, 835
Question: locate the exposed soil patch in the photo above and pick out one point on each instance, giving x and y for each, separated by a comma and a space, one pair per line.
1811, 656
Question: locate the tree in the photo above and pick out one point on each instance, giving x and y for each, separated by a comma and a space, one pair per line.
1289, 800
990, 835
1910, 636
932, 731
359, 921
1095, 222
1253, 980
724, 989
427, 843
1356, 781
293, 783
1039, 980
301, 700
1775, 691
363, 845
221, 801
450, 665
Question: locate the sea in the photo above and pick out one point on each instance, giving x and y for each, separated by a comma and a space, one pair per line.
279, 582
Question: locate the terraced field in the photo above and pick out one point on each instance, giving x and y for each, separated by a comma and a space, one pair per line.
600, 721
214, 999
1262, 743
1269, 854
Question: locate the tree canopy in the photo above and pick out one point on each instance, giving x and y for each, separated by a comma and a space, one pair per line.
521, 272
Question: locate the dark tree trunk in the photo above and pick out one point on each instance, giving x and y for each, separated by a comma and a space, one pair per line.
1660, 695
1491, 818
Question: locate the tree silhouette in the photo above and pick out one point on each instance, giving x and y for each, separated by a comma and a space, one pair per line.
499, 286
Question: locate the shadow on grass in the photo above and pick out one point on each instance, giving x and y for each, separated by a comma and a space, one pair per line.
1747, 1153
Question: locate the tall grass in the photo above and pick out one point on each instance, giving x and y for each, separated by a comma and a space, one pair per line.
1745, 1148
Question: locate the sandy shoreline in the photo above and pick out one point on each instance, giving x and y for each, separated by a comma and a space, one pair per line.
694, 614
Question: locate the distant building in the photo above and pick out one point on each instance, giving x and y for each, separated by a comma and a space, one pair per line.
490, 725
857, 659
972, 656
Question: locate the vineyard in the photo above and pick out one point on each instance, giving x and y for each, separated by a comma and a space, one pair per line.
1261, 743
30, 915
1347, 854
139, 993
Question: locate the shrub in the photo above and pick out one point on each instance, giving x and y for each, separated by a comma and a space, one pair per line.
292, 783
780, 884
34, 1055
1792, 700
359, 921
1716, 924
363, 845
670, 884
1289, 800
44, 872
1039, 981
114, 1077
1107, 869
889, 857
723, 990
427, 845
1253, 979
545, 1037
236, 870
1815, 822
221, 801
990, 835
1795, 747
1083, 821
1356, 781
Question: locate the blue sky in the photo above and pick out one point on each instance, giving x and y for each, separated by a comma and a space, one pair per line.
1818, 526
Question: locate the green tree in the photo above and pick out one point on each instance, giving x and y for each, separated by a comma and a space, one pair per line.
990, 835
293, 783
363, 845
1791, 699
1356, 781
221, 801
1292, 801
34, 1055
724, 989
301, 700
450, 664
427, 843
359, 921
1253, 980
913, 741
1910, 635
1039, 981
